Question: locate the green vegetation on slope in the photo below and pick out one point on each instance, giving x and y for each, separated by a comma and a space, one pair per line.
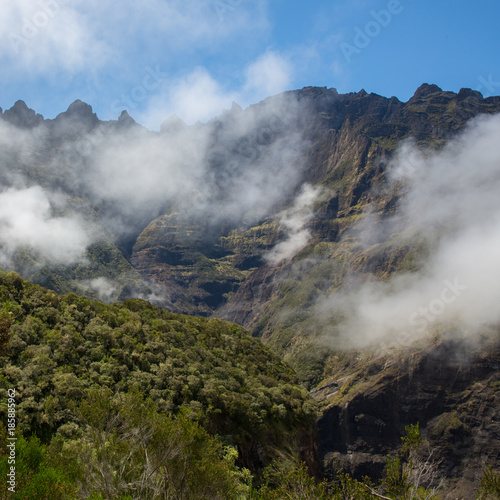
61, 348
294, 327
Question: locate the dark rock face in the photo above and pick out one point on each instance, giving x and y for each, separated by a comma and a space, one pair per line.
23, 117
449, 388
425, 90
352, 136
254, 296
78, 119
444, 387
469, 94
125, 120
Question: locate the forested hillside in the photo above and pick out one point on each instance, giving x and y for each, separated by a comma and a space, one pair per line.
140, 380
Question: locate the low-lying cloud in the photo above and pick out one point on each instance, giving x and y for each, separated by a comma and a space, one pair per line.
234, 170
27, 221
294, 221
452, 203
104, 288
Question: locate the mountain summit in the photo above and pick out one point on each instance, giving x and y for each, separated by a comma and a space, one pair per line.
22, 116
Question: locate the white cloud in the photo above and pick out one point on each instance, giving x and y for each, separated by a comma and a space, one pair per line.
200, 97
452, 202
103, 287
270, 74
224, 170
138, 171
26, 220
45, 36
295, 220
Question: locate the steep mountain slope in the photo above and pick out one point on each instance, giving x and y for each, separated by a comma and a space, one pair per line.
359, 236
347, 138
446, 384
354, 138
248, 166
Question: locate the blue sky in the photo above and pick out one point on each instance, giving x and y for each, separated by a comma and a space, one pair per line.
194, 57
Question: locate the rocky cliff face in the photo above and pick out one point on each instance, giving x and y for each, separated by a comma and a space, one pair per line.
212, 262
349, 137
352, 138
368, 398
450, 387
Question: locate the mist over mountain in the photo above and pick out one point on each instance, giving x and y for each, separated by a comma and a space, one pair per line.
119, 177
450, 205
353, 233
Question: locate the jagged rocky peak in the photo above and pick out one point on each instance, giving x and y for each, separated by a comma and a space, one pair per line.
311, 91
227, 115
424, 91
79, 117
125, 120
22, 116
172, 124
469, 94
235, 108
316, 99
80, 110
